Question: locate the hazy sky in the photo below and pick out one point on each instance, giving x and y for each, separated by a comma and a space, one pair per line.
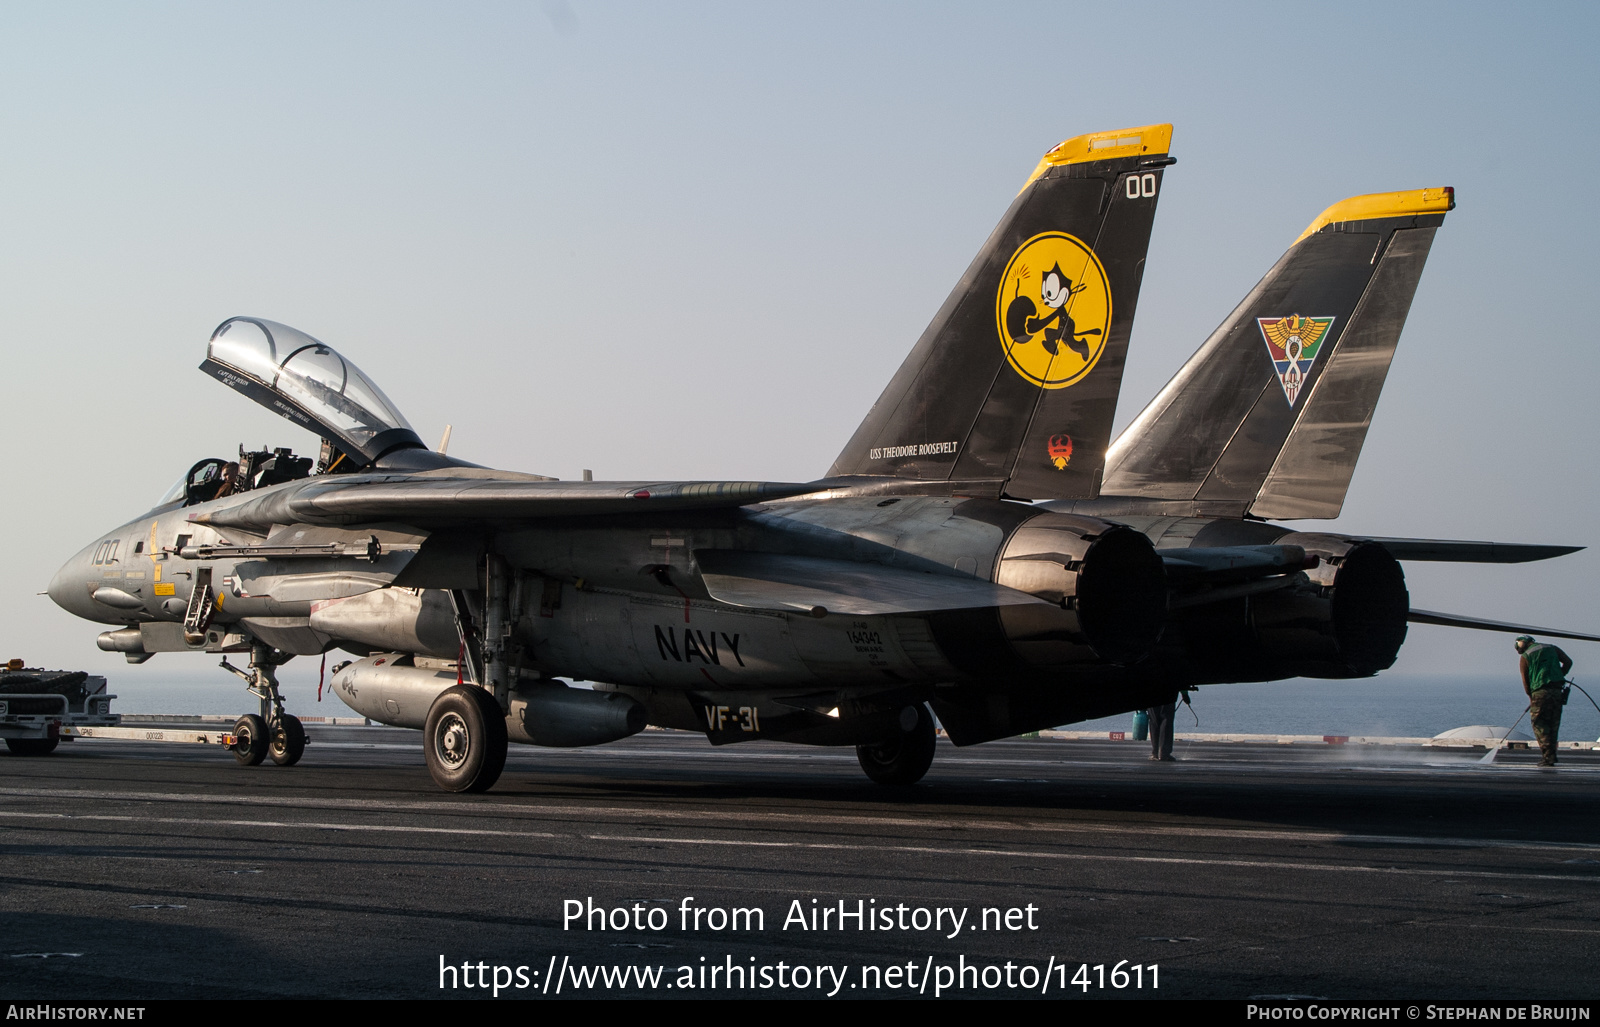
695, 240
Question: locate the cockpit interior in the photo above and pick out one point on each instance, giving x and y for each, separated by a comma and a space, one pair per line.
215, 477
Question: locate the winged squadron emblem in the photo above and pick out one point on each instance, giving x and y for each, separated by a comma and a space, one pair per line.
1293, 343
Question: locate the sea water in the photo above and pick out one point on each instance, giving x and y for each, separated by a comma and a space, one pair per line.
150, 689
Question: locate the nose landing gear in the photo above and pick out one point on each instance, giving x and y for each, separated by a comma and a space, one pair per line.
273, 732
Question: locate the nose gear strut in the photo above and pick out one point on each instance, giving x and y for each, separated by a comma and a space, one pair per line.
273, 732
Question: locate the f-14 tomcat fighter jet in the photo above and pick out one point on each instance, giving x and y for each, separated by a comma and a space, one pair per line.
974, 549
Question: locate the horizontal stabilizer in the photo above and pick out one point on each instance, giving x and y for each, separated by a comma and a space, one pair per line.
1450, 620
772, 581
1445, 551
429, 501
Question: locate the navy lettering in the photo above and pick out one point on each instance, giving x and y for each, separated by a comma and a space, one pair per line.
666, 643
690, 648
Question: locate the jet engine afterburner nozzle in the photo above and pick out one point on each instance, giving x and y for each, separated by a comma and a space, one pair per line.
1352, 625
1122, 595
1106, 581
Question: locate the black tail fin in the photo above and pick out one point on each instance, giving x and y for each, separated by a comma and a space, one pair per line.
1015, 382
1272, 410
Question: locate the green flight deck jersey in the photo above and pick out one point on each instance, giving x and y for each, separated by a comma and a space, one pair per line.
1547, 665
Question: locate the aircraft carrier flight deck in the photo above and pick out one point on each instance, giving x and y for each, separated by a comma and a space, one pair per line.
166, 871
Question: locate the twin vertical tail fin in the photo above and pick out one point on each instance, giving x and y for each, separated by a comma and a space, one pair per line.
1014, 384
1271, 412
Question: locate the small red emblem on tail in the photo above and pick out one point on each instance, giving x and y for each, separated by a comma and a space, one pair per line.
1060, 451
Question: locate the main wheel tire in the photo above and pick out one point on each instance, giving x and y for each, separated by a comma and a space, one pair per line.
903, 759
31, 746
288, 741
465, 739
250, 740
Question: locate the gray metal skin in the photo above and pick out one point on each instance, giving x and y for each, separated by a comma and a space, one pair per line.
627, 600
621, 600
819, 619
663, 606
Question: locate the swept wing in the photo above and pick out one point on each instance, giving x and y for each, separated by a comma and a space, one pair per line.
1433, 550
428, 501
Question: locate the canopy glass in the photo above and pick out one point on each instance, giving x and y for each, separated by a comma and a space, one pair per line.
306, 381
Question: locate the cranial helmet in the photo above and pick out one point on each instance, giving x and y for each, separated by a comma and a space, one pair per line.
1523, 641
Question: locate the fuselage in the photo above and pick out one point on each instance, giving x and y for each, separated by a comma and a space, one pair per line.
618, 599
621, 600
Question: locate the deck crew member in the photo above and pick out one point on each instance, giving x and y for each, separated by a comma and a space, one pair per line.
1544, 678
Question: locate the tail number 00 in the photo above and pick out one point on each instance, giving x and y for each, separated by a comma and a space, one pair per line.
1140, 185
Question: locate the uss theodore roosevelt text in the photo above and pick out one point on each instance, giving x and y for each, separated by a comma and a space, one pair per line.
920, 449
843, 915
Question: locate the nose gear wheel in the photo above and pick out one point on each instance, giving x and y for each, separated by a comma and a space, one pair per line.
288, 740
250, 740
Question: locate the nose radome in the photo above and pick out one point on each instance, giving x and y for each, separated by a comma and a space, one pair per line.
57, 587
66, 589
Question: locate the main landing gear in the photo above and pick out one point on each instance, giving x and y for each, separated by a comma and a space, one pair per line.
465, 739
272, 732
905, 757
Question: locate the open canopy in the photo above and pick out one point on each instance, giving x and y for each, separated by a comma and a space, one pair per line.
308, 382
